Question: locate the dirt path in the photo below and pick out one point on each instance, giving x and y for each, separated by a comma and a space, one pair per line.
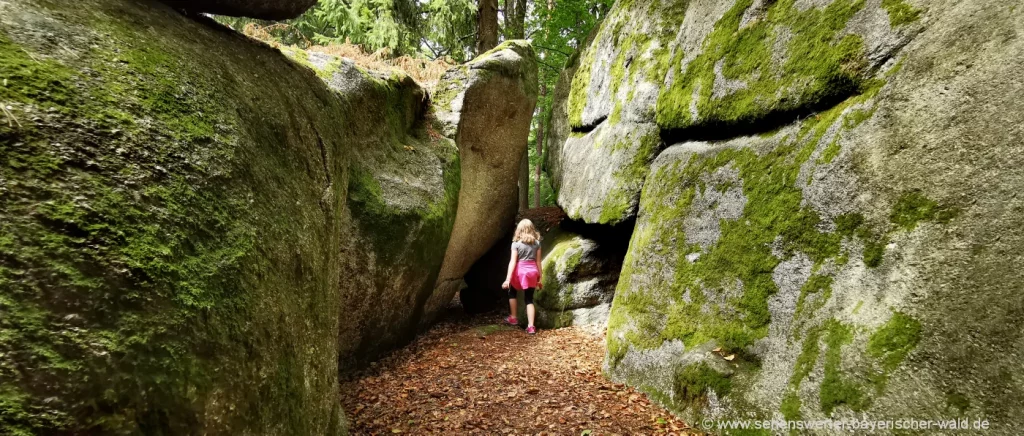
474, 376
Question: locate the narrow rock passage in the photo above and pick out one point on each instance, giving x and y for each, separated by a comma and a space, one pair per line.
475, 376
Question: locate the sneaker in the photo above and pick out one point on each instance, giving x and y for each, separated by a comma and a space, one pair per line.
531, 330
512, 320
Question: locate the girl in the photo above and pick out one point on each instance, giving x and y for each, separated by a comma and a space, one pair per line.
524, 272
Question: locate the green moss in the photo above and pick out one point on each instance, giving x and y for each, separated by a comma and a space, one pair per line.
172, 227
564, 258
957, 401
634, 53
807, 359
620, 204
821, 66
900, 13
615, 207
874, 251
580, 88
858, 116
829, 153
815, 284
694, 382
836, 389
790, 407
26, 80
616, 113
390, 226
894, 340
913, 207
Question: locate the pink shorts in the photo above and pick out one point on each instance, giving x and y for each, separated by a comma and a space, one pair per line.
526, 275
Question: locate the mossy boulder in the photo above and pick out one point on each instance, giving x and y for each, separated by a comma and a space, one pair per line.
403, 190
579, 280
704, 69
486, 106
187, 219
601, 172
840, 245
262, 9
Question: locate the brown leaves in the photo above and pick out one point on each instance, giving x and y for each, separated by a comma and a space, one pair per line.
450, 381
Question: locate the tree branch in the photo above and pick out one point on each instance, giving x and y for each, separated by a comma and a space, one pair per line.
552, 49
555, 69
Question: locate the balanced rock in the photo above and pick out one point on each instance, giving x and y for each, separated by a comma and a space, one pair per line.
486, 105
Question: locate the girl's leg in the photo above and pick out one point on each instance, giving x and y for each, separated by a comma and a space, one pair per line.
512, 302
530, 311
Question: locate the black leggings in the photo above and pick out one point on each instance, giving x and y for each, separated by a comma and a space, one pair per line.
527, 294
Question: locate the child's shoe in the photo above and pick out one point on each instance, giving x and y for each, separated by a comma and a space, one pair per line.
512, 320
531, 330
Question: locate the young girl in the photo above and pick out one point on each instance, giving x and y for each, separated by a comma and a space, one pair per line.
524, 272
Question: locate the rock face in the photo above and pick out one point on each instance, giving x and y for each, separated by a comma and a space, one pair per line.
403, 192
187, 219
830, 207
262, 9
486, 105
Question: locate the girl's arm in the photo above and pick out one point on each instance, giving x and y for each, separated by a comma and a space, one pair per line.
511, 267
540, 270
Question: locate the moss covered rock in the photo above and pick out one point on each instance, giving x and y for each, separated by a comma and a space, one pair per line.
188, 218
579, 280
705, 69
839, 262
486, 106
403, 191
262, 9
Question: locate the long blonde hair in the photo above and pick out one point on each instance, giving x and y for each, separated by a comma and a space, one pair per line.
526, 233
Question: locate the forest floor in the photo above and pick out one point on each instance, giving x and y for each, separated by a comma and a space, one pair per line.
473, 375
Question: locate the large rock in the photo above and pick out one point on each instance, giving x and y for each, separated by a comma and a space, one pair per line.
580, 274
681, 73
187, 218
832, 231
486, 105
403, 191
262, 9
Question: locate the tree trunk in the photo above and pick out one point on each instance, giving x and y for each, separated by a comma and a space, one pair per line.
515, 19
540, 148
486, 26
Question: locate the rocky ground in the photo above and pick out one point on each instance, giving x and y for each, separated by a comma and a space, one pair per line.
476, 376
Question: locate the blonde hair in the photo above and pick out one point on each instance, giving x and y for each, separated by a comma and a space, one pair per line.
526, 233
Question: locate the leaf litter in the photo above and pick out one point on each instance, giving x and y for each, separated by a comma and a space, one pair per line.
475, 376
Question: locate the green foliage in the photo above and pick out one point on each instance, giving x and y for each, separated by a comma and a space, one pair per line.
435, 28
894, 340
